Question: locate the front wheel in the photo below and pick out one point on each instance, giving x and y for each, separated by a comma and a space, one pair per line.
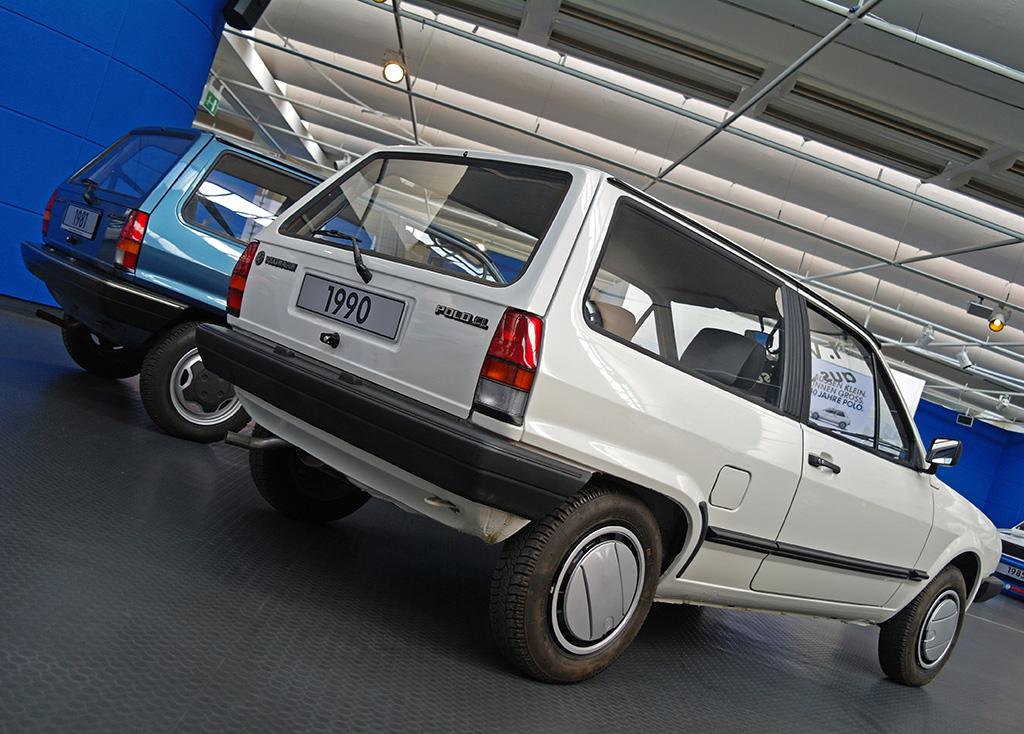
98, 356
916, 643
184, 398
571, 590
299, 486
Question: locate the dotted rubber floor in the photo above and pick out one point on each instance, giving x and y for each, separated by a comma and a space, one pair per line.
146, 587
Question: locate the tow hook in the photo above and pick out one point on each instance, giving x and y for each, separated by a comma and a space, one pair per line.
267, 443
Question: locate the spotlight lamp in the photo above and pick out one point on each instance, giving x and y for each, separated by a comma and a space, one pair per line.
998, 319
964, 359
394, 69
927, 336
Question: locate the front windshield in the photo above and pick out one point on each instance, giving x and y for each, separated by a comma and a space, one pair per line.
479, 220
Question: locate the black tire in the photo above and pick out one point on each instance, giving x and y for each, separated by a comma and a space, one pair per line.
916, 643
98, 356
181, 396
842, 425
299, 486
541, 615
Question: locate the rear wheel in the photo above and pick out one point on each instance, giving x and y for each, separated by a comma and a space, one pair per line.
97, 355
915, 644
183, 397
301, 487
571, 591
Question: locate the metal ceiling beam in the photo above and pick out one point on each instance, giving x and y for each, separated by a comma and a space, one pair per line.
916, 38
327, 79
319, 110
538, 19
257, 123
405, 64
853, 17
245, 48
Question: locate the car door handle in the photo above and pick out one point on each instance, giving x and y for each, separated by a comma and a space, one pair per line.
817, 461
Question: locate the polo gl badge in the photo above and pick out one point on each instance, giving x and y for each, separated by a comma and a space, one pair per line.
456, 315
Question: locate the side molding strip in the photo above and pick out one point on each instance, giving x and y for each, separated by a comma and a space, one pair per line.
810, 555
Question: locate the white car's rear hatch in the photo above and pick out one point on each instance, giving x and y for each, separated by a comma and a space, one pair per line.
401, 269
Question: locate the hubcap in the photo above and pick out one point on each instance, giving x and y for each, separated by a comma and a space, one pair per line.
200, 396
938, 630
597, 589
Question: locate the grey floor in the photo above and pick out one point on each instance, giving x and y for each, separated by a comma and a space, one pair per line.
145, 587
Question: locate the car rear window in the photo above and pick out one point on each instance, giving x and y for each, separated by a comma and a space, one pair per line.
474, 219
238, 197
134, 165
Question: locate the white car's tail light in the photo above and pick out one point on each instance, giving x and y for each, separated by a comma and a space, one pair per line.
239, 274
509, 368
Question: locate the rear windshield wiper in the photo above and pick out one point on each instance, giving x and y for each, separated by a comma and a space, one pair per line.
357, 255
87, 194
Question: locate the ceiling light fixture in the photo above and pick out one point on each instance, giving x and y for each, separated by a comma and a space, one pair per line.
927, 336
964, 359
998, 319
1004, 403
394, 69
978, 308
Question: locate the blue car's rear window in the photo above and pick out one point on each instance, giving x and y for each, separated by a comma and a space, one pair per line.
135, 164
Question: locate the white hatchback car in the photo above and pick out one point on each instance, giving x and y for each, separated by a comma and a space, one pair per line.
536, 353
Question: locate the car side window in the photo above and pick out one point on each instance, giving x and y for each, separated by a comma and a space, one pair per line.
849, 396
668, 292
238, 197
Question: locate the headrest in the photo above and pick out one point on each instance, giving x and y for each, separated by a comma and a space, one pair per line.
616, 319
732, 359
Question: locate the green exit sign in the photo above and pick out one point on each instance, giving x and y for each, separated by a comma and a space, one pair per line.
211, 102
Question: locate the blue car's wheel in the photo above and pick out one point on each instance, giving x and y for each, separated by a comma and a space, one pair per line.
183, 397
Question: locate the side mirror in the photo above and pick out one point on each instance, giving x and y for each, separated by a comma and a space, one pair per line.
944, 452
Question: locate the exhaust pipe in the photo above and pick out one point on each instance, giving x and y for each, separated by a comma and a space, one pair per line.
268, 443
57, 320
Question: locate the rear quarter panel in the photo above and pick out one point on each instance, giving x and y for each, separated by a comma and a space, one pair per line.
183, 259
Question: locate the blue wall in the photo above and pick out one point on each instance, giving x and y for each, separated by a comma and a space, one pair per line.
78, 74
989, 473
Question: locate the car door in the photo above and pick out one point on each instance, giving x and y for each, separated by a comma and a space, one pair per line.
862, 511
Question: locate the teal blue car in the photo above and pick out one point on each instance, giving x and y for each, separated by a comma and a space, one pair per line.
137, 249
